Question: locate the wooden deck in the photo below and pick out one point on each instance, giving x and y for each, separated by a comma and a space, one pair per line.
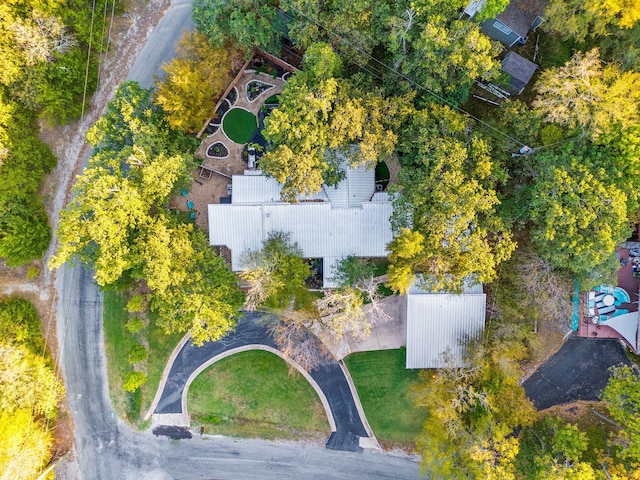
627, 281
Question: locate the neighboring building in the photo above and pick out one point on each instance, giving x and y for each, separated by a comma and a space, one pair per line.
349, 219
520, 70
512, 26
442, 322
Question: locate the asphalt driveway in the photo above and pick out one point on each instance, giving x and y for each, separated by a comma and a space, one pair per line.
578, 371
329, 377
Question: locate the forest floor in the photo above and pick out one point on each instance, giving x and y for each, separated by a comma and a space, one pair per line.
128, 35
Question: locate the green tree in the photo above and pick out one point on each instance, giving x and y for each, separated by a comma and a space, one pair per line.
194, 80
276, 274
581, 18
20, 325
118, 221
132, 118
553, 448
362, 25
24, 160
322, 118
24, 444
473, 412
434, 33
572, 199
585, 94
446, 205
490, 9
622, 397
27, 382
244, 23
207, 302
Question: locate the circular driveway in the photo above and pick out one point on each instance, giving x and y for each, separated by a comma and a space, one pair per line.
329, 378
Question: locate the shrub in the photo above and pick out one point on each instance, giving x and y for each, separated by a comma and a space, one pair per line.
134, 325
33, 272
137, 304
134, 380
137, 354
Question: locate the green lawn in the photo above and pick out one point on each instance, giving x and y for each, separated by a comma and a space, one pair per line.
252, 394
239, 125
118, 342
382, 382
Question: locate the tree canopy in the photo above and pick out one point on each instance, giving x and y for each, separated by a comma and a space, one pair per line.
276, 274
119, 222
194, 81
29, 392
581, 18
446, 205
323, 118
586, 94
245, 23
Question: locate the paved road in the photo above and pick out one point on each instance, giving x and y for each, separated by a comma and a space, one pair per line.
329, 377
578, 371
161, 46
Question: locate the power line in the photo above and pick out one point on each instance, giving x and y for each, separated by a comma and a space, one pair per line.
104, 21
113, 8
86, 73
402, 75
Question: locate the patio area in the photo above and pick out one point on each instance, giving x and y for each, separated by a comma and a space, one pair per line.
610, 311
221, 157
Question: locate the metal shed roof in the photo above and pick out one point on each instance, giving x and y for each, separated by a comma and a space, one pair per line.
520, 69
439, 323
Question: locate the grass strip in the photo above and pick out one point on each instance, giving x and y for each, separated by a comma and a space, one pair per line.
382, 382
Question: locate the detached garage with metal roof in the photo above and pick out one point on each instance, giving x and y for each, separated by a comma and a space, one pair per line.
442, 322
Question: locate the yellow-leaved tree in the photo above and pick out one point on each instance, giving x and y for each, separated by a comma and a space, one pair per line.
195, 79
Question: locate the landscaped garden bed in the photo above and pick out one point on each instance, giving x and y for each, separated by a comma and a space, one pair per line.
255, 88
232, 98
217, 150
239, 124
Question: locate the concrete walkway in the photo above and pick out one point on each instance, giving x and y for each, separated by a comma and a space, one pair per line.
350, 430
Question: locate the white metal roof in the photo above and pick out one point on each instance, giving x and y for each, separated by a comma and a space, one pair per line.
320, 230
333, 224
253, 189
357, 187
442, 322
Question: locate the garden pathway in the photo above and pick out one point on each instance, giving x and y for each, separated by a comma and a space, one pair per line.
235, 149
350, 430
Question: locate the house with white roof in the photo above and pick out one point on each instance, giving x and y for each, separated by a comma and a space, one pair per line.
442, 323
351, 218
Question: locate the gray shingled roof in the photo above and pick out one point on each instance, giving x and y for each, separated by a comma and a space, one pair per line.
520, 15
520, 69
